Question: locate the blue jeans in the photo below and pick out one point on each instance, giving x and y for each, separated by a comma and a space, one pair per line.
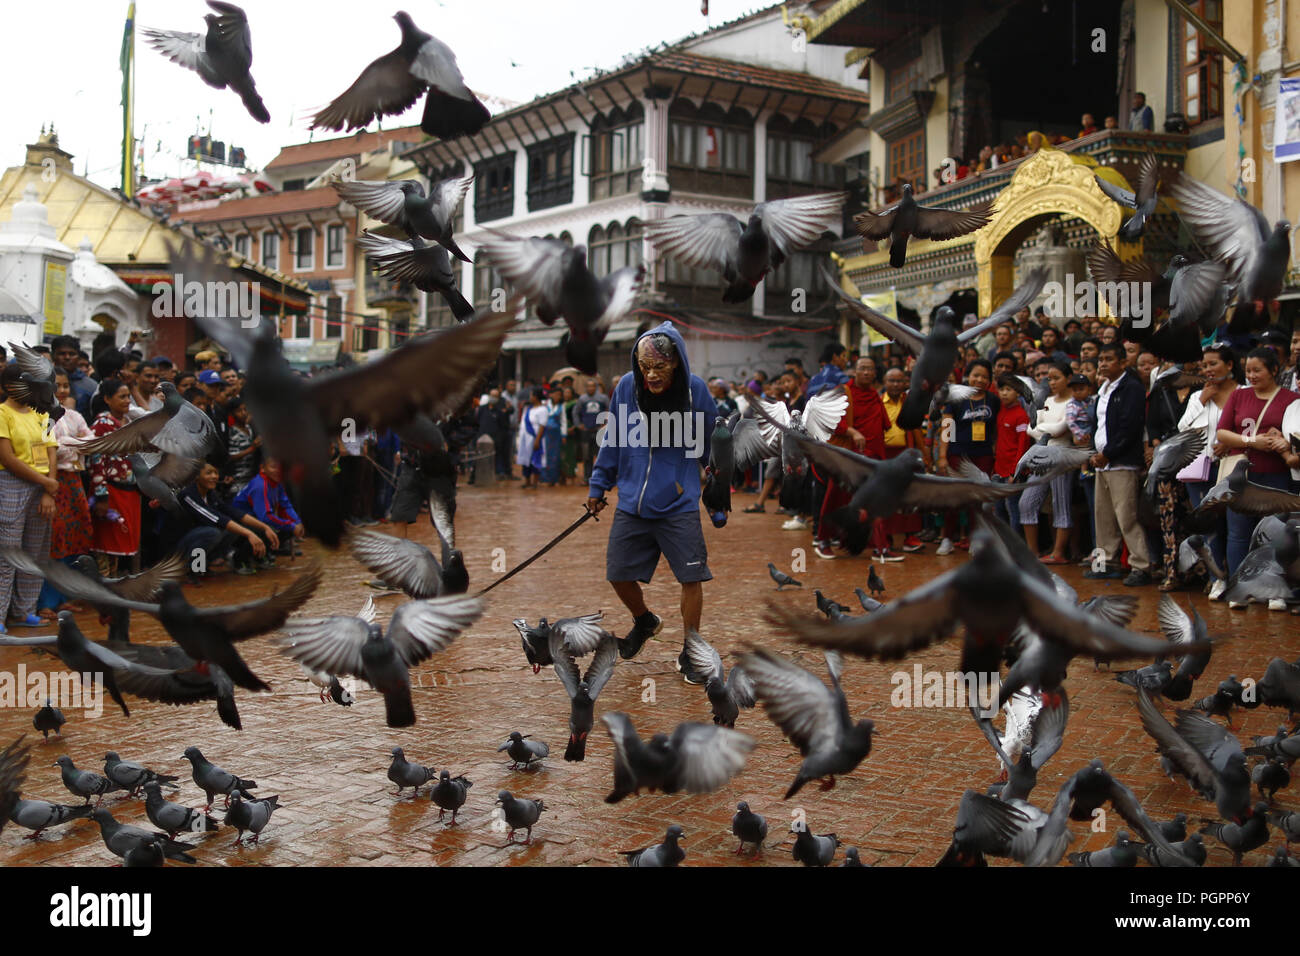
1216, 540
1241, 527
1008, 509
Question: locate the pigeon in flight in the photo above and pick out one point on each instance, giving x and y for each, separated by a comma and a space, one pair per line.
815, 718
401, 562
557, 282
580, 636
427, 267
811, 849
523, 750
582, 688
359, 647
1045, 732
668, 853
394, 83
520, 813
748, 827
167, 675
159, 477
84, 783
178, 428
251, 815
937, 353
13, 764
35, 384
1192, 551
1237, 234
120, 838
781, 578
1245, 497
1142, 200
745, 252
716, 493
1171, 456
697, 758
907, 218
727, 694
450, 793
172, 818
212, 780
1194, 293
406, 774
49, 718
221, 57
403, 204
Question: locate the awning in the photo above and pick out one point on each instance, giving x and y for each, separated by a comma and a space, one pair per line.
528, 341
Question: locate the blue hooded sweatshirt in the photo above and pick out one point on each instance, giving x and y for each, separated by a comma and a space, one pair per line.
654, 482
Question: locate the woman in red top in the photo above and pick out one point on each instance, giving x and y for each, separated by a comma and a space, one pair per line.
116, 511
1251, 421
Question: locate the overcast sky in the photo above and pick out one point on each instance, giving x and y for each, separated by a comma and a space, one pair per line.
59, 63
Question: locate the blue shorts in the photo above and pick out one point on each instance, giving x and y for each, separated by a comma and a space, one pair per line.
635, 545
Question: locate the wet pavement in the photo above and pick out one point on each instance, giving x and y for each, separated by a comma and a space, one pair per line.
329, 763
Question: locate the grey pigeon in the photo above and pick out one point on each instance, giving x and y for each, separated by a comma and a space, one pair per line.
780, 577
178, 428
212, 780
523, 750
716, 492
1242, 837
1192, 551
170, 676
937, 353
745, 252
131, 776
696, 758
583, 689
1046, 733
827, 605
49, 718
520, 813
1153, 678
401, 562
580, 635
35, 384
152, 485
1282, 857
1124, 853
406, 774
450, 793
1243, 496
557, 282
1270, 776
1042, 459
1142, 201
907, 218
13, 764
1280, 685
727, 693
1209, 756
425, 266
340, 694
1288, 821
869, 604
1237, 234
38, 815
875, 582
1094, 786
1171, 456
748, 827
250, 815
668, 853
84, 783
815, 718
1175, 829
121, 838
1191, 848
987, 826
172, 818
421, 65
359, 647
221, 57
851, 858
403, 204
146, 854
811, 849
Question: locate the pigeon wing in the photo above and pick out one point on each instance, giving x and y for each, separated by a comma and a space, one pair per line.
329, 644
803, 707
1259, 500
705, 660
385, 87
1174, 745
1231, 230
602, 664
144, 586
707, 757
1118, 193
534, 266
419, 629
792, 224
710, 241
447, 196
581, 634
399, 561
1020, 299
257, 617
823, 412
186, 49
941, 491
384, 201
906, 336
1068, 625
136, 436
932, 223
876, 225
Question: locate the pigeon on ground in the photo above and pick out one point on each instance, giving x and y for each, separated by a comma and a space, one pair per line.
1281, 857
520, 813
869, 604
907, 218
937, 353
583, 689
1209, 756
781, 578
250, 815
406, 774
49, 718
212, 780
1142, 200
851, 858
748, 827
393, 83
697, 758
450, 793
815, 718
1237, 234
727, 693
745, 252
359, 647
1182, 628
403, 204
132, 776
1242, 837
523, 750
1270, 776
875, 582
668, 853
811, 849
173, 818
1191, 848
1175, 829
557, 282
827, 605
221, 57
1288, 821
178, 428
121, 838
84, 783
1123, 853
39, 815
425, 266
13, 764
146, 854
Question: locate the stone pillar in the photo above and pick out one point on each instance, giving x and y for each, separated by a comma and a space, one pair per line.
655, 188
485, 471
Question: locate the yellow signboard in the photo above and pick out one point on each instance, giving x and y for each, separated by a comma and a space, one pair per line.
56, 284
886, 303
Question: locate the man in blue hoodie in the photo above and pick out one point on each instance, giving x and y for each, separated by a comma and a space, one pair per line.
654, 445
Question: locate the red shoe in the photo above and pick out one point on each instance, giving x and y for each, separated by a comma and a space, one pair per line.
963, 544
912, 544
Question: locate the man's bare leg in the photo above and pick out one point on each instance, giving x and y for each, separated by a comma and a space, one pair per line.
629, 592
692, 605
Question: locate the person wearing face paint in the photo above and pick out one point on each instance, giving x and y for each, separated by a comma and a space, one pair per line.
653, 448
